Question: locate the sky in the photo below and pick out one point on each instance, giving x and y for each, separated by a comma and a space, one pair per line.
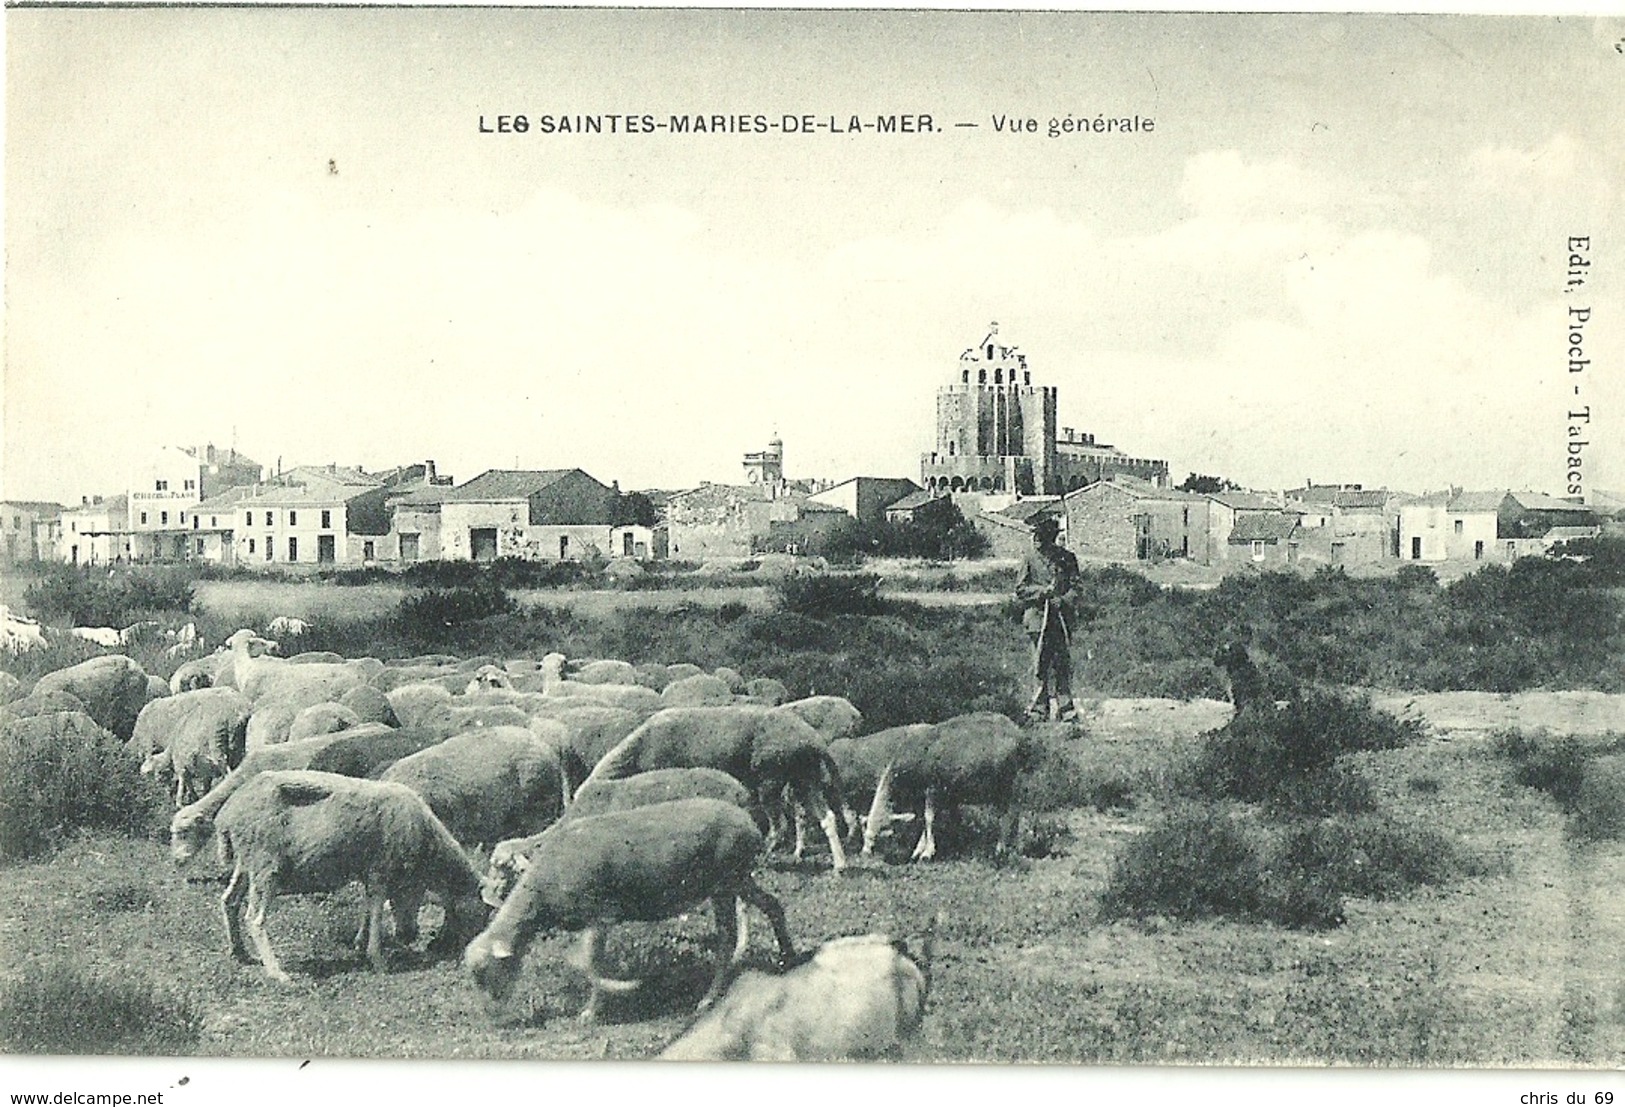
1340, 254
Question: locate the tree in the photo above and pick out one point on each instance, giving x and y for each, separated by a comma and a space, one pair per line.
1201, 482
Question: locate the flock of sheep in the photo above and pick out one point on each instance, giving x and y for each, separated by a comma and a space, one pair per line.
598, 792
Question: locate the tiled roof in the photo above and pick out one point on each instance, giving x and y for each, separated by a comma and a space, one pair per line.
1025, 511
911, 501
508, 484
1263, 527
1360, 498
225, 500
348, 475
1537, 501
1245, 501
1478, 501
276, 495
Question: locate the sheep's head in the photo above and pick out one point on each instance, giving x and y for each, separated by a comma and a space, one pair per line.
246, 641
188, 833
494, 964
508, 864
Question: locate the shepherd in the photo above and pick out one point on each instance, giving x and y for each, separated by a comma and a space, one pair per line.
1047, 579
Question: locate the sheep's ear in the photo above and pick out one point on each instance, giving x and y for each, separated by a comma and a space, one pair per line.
501, 950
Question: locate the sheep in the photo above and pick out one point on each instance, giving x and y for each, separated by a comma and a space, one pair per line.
299, 832
316, 657
287, 626
370, 705
279, 704
857, 998
509, 859
646, 864
972, 758
112, 688
203, 672
251, 661
322, 718
487, 784
766, 690
19, 634
101, 636
194, 737
358, 752
413, 702
731, 677
633, 697
766, 749
697, 691
10, 688
590, 731
605, 672
157, 688
487, 677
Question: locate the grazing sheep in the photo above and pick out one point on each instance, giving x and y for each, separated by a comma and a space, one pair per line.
194, 737
42, 703
487, 784
766, 749
280, 703
590, 731
370, 705
413, 702
646, 864
300, 832
112, 688
832, 716
110, 637
203, 672
18, 634
509, 859
454, 718
10, 688
697, 691
322, 718
488, 677
287, 626
317, 657
731, 677
605, 672
853, 999
766, 690
633, 697
359, 752
972, 758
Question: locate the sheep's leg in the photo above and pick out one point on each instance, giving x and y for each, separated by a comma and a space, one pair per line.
801, 832
742, 942
231, 906
726, 909
1010, 829
375, 928
926, 848
259, 906
765, 902
589, 958
820, 809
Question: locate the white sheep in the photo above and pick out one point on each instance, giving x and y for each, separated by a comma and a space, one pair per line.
633, 697
110, 637
646, 864
489, 783
195, 738
301, 832
766, 749
322, 718
856, 998
17, 633
509, 859
974, 758
112, 688
287, 626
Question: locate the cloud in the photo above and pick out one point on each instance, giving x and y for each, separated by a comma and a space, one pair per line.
1222, 183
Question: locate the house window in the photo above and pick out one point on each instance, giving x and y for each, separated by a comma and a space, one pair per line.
250, 545
161, 486
267, 518
1258, 550
368, 551
269, 552
564, 546
214, 520
1187, 516
200, 547
189, 485
327, 520
163, 518
248, 518
293, 518
183, 518
197, 521
16, 522
143, 518
1478, 551
1458, 526
293, 549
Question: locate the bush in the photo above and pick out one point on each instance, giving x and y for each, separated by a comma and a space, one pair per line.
821, 595
61, 776
1285, 756
426, 615
60, 1008
1373, 856
81, 596
1599, 808
1551, 764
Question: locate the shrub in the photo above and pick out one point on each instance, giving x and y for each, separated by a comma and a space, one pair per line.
1599, 806
63, 773
426, 615
1551, 764
1196, 862
81, 596
1373, 856
1284, 756
61, 1008
821, 595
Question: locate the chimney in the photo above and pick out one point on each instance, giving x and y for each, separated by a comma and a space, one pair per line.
428, 471
84, 501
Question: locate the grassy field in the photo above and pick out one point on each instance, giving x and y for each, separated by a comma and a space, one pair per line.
1516, 966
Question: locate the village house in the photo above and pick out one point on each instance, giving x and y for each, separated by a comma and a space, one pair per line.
1344, 525
919, 507
165, 490
865, 498
29, 531
1009, 529
538, 515
1127, 519
1494, 525
96, 532
1225, 508
1263, 540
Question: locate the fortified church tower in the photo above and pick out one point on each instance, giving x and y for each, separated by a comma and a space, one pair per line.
995, 428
